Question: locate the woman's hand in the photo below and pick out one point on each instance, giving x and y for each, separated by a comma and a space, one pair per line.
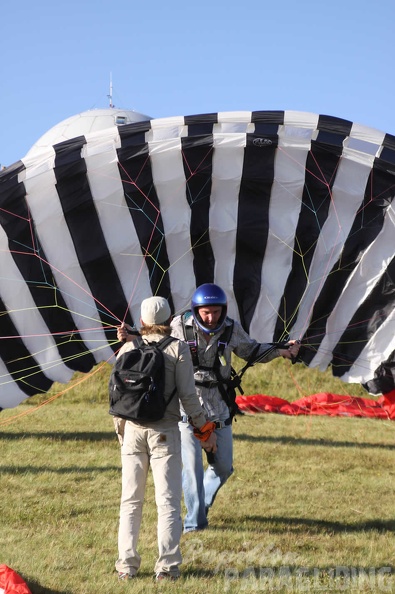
123, 334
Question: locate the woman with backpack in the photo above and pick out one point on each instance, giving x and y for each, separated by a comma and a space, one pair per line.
156, 443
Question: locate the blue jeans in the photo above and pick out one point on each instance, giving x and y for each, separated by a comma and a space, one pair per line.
201, 487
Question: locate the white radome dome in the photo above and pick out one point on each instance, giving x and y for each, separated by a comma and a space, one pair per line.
83, 123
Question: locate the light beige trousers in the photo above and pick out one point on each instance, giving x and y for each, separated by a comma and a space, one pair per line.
141, 448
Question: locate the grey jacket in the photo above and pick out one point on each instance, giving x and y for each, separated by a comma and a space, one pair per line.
240, 343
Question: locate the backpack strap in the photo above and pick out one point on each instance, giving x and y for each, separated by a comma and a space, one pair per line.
163, 342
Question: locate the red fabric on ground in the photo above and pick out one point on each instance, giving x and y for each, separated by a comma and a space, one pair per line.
387, 401
322, 404
11, 582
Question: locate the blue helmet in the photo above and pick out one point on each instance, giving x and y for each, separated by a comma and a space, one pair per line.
204, 296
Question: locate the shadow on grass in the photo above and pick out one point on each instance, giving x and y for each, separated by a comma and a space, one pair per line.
17, 470
67, 436
281, 524
302, 441
100, 436
37, 588
197, 573
191, 572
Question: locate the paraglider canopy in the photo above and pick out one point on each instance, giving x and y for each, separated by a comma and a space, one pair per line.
291, 214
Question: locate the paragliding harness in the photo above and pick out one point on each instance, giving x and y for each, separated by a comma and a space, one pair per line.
136, 385
227, 387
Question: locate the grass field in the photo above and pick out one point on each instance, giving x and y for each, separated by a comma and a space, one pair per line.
310, 506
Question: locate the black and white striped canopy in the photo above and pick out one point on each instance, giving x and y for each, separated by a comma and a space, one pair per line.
290, 213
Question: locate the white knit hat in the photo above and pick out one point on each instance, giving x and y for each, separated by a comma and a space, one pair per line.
155, 310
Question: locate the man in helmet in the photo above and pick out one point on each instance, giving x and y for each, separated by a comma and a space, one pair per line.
212, 338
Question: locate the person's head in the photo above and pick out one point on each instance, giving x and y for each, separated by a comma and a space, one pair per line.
155, 316
209, 306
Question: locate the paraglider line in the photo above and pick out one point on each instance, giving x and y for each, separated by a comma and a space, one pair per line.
13, 214
54, 397
199, 166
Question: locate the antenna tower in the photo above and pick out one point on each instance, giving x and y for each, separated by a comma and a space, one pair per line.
110, 95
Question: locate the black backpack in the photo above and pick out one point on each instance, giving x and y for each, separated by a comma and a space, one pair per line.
136, 385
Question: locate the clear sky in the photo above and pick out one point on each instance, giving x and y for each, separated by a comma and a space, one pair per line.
178, 57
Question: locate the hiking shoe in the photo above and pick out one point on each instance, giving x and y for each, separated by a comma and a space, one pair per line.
162, 575
124, 577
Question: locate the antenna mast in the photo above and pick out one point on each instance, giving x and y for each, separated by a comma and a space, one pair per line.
110, 95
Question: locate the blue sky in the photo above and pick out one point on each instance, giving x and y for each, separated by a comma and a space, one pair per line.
180, 58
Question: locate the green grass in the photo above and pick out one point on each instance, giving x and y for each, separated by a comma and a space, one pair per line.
307, 492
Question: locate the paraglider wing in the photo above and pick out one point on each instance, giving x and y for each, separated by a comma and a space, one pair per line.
11, 582
290, 213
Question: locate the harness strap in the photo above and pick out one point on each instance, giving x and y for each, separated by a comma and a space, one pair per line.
222, 384
206, 384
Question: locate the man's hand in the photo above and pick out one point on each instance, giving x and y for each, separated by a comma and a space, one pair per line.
292, 351
211, 444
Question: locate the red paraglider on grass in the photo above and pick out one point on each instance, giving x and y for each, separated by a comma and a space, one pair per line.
334, 405
11, 582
